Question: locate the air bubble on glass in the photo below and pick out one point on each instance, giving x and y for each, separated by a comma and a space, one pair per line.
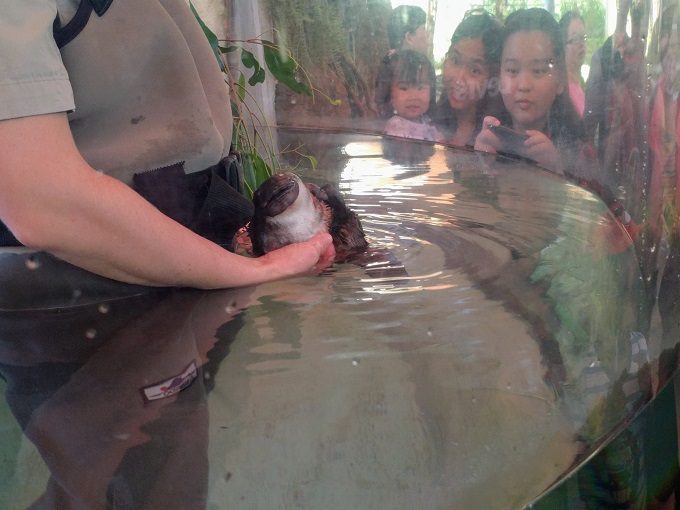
32, 263
91, 334
230, 308
104, 308
355, 362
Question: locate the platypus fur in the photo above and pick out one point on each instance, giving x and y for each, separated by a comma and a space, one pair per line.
289, 211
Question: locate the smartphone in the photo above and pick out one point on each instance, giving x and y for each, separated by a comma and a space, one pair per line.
513, 141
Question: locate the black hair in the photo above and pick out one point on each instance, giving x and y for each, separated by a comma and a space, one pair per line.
564, 124
407, 66
535, 18
564, 23
476, 24
403, 20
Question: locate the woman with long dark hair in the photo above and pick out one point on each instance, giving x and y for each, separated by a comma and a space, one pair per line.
469, 72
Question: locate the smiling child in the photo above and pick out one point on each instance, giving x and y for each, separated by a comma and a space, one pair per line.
411, 96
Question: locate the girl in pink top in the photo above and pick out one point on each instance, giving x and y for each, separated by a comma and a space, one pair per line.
410, 95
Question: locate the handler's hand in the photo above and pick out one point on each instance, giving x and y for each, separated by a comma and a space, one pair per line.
311, 256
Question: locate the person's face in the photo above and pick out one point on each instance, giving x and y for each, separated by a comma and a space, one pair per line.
465, 74
530, 80
410, 100
416, 40
575, 49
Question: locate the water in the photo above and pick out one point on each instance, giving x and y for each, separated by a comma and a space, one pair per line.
462, 377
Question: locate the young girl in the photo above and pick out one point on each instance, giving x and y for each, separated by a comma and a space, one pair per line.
471, 64
533, 83
406, 30
410, 96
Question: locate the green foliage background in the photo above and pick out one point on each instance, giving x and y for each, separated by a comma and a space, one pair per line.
310, 29
338, 42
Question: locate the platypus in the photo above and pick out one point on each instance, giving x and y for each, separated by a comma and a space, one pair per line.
288, 211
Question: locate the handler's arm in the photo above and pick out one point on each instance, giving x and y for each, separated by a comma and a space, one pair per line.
52, 200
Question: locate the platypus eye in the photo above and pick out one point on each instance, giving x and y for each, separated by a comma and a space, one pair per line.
282, 191
275, 196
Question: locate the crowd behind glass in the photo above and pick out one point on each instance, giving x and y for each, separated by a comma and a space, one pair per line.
514, 87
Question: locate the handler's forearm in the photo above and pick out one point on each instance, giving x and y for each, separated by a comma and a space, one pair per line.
137, 244
108, 229
52, 200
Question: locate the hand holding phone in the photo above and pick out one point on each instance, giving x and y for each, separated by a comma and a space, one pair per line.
513, 141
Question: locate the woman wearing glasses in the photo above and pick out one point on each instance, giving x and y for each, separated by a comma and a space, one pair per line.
574, 35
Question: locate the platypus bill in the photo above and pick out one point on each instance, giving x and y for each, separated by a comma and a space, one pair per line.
289, 211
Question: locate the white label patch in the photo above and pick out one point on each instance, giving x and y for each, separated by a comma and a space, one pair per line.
171, 386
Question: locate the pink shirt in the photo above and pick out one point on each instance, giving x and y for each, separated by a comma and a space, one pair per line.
578, 97
399, 126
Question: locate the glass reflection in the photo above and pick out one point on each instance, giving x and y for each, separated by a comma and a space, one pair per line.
589, 291
612, 124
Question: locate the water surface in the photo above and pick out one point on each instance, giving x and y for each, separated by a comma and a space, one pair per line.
476, 357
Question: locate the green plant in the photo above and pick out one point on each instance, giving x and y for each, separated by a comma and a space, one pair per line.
339, 43
502, 8
250, 138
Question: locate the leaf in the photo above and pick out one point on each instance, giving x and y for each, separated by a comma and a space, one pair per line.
312, 161
283, 68
249, 59
251, 62
212, 38
262, 170
228, 49
249, 174
241, 92
257, 77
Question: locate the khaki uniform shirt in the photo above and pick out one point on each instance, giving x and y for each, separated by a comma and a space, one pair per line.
141, 84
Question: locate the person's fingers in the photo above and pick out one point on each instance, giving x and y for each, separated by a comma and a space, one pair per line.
535, 138
306, 257
487, 141
321, 240
490, 121
484, 147
323, 244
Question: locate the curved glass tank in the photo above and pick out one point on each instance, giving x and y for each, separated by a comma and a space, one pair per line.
507, 342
